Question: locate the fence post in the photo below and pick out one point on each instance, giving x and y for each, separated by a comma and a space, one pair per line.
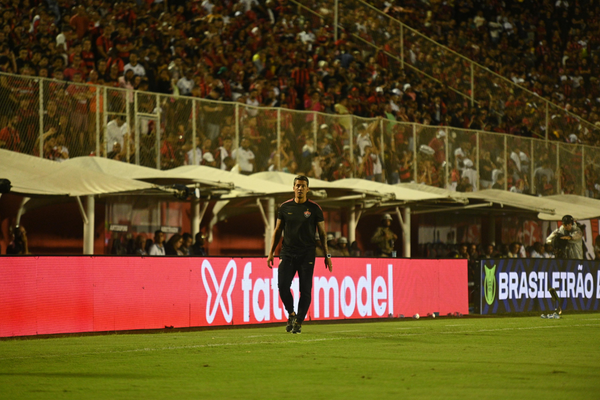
472, 84
105, 120
402, 46
505, 166
447, 160
351, 144
582, 170
336, 17
558, 173
194, 126
278, 143
136, 128
158, 112
237, 133
97, 94
415, 171
382, 152
478, 155
41, 113
547, 120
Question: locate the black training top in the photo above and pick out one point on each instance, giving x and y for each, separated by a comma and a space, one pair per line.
299, 224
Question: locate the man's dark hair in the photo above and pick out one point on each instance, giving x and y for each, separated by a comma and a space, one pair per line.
157, 232
568, 219
301, 178
186, 236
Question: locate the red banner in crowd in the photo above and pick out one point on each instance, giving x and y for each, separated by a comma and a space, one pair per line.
48, 295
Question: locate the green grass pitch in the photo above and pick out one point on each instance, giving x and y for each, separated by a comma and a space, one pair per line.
443, 358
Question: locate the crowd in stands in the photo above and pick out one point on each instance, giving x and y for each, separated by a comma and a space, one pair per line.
549, 47
266, 54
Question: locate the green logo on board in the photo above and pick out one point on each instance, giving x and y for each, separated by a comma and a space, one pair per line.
489, 284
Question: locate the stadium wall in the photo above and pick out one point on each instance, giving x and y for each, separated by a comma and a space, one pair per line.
54, 295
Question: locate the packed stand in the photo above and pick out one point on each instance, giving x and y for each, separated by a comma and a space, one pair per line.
266, 56
548, 47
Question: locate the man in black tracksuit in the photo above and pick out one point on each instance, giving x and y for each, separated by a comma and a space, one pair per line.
298, 219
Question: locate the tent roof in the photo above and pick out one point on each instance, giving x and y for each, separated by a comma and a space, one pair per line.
578, 206
131, 171
34, 176
343, 187
243, 184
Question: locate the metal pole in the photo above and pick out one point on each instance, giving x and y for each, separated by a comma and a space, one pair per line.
582, 193
195, 217
97, 92
447, 167
278, 142
547, 120
88, 228
352, 223
237, 132
405, 225
194, 126
158, 131
382, 152
402, 46
136, 128
415, 171
105, 119
271, 224
478, 155
351, 143
335, 20
558, 173
532, 188
505, 166
472, 84
41, 113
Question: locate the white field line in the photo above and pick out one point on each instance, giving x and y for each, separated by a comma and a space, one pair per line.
200, 346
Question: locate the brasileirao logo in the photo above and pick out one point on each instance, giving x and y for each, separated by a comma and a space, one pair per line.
489, 284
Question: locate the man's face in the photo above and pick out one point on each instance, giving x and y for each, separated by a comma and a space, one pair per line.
159, 237
300, 189
568, 226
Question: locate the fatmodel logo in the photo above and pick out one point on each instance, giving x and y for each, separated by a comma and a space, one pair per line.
211, 308
489, 284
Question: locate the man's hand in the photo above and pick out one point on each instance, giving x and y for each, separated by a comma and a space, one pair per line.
328, 264
566, 237
270, 261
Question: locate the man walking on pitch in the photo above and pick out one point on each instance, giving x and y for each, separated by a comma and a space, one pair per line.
298, 219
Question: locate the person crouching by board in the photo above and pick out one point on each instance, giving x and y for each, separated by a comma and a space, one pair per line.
567, 240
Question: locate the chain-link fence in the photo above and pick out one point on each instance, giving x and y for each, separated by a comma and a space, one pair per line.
58, 120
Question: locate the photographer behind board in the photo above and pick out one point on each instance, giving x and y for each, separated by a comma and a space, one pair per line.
567, 240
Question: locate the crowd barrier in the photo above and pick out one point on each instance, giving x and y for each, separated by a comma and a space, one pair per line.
161, 131
510, 285
54, 295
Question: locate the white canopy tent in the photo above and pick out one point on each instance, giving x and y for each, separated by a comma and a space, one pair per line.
34, 176
359, 195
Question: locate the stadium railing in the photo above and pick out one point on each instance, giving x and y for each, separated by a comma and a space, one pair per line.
162, 129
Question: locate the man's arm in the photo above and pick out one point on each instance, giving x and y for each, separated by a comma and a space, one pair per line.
323, 238
274, 242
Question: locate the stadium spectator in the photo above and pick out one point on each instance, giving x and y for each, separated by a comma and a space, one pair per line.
198, 248
158, 247
384, 238
19, 244
173, 245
